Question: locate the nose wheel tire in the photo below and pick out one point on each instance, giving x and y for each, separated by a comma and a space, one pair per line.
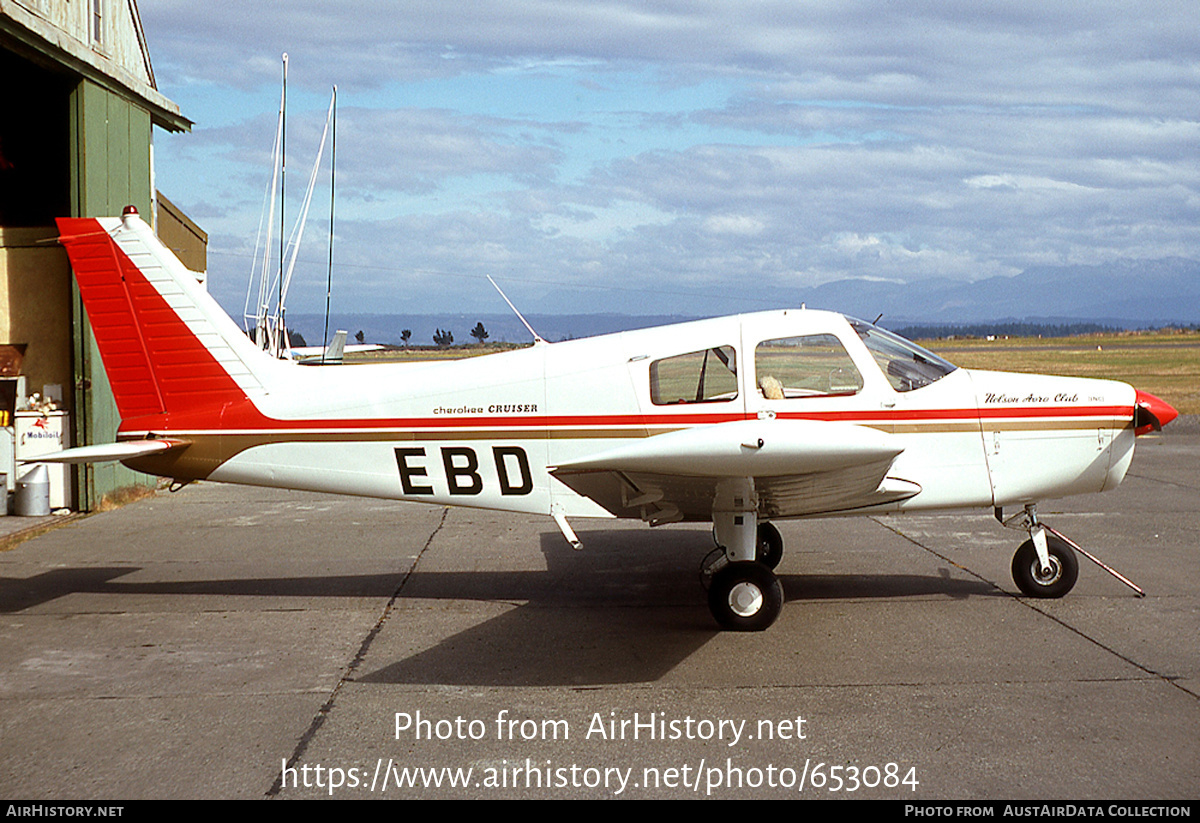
1033, 581
745, 597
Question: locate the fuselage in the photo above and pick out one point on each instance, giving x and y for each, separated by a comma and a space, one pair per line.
488, 431
786, 413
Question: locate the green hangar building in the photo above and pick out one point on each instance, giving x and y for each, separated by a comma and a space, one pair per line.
77, 118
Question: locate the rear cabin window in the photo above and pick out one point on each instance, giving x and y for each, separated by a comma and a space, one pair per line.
814, 365
708, 376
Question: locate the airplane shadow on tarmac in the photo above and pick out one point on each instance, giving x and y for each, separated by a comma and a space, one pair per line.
628, 609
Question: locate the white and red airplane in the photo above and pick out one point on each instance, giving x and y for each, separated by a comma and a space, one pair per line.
737, 421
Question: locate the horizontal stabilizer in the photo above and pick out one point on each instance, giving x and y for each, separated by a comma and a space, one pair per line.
108, 452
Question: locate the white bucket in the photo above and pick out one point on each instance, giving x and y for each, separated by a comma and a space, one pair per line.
33, 493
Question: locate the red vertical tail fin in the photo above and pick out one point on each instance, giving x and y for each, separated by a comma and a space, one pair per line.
168, 347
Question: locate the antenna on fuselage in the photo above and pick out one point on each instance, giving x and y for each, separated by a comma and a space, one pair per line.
537, 338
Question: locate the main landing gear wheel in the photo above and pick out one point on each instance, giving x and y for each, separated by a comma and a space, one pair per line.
745, 597
769, 550
1027, 569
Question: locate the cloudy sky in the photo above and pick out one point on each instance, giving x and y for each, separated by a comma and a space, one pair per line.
683, 156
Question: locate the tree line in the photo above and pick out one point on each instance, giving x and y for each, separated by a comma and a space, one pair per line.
442, 338
941, 332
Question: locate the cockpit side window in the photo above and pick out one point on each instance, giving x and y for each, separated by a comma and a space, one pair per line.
708, 376
906, 365
815, 365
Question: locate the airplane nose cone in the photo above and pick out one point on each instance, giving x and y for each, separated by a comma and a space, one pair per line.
1151, 413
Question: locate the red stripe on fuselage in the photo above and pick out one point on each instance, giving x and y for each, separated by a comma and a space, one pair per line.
247, 418
996, 413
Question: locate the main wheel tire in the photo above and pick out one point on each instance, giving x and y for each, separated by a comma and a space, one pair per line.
1027, 569
745, 597
769, 550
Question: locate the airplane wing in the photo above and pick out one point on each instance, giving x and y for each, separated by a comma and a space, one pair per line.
799, 467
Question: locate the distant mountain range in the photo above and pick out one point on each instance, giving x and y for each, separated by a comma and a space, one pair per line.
1138, 294
1126, 295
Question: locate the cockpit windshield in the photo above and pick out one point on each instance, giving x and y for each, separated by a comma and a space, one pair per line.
906, 365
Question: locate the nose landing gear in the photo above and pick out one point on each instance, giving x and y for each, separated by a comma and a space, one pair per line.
1045, 565
1054, 578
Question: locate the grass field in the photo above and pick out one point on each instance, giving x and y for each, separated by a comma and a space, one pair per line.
421, 354
1166, 364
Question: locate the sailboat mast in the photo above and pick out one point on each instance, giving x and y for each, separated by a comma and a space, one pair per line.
277, 343
332, 189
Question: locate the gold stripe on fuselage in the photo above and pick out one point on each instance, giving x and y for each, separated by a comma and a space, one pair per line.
207, 450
